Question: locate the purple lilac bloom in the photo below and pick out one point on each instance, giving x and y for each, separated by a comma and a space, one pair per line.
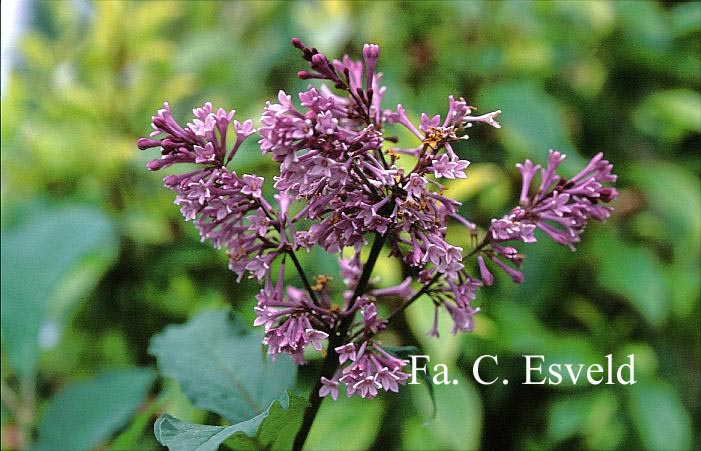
369, 370
339, 186
560, 207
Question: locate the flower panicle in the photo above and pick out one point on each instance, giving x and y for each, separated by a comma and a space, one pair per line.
338, 185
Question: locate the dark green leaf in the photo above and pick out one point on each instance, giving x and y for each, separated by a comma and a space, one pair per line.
679, 203
87, 413
566, 417
129, 438
532, 122
659, 416
457, 425
181, 436
221, 365
37, 256
279, 426
670, 115
347, 423
591, 415
274, 428
686, 18
633, 273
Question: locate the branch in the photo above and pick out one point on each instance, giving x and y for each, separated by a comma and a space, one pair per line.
364, 178
336, 339
367, 271
303, 276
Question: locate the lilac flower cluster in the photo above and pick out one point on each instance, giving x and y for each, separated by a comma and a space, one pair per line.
560, 207
370, 368
340, 186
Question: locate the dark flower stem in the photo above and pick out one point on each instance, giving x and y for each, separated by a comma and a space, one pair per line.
367, 271
336, 339
328, 368
303, 276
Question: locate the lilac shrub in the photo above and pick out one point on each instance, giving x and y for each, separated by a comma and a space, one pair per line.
340, 187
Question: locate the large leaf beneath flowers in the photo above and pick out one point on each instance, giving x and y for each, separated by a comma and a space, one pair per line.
86, 413
222, 366
274, 428
49, 261
278, 429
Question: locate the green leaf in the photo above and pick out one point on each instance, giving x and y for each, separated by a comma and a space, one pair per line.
592, 415
540, 286
532, 121
181, 436
347, 423
679, 203
221, 365
37, 257
669, 115
677, 208
87, 413
685, 18
129, 438
633, 273
274, 428
458, 424
279, 427
403, 352
659, 416
567, 416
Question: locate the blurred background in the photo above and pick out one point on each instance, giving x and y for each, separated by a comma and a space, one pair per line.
96, 259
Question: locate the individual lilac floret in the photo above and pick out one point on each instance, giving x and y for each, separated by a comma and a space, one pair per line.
402, 291
346, 352
511, 227
435, 135
370, 54
456, 297
329, 387
445, 167
373, 324
485, 274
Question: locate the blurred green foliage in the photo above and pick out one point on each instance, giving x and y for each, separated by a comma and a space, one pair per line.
96, 259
